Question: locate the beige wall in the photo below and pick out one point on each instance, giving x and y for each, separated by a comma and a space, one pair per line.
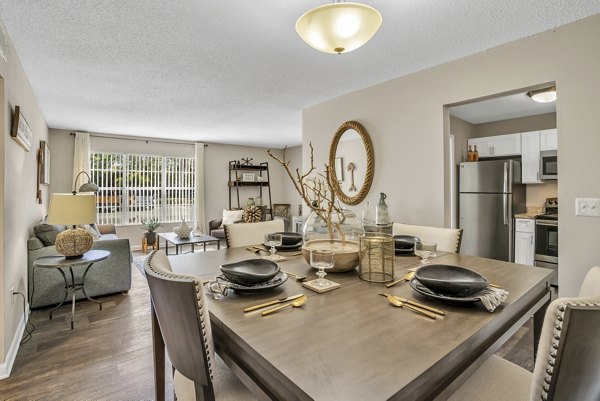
515, 125
290, 195
410, 130
20, 211
462, 131
216, 177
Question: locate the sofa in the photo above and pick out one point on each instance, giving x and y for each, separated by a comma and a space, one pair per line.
113, 275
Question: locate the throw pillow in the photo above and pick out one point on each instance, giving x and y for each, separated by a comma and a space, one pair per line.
47, 232
232, 216
252, 214
92, 230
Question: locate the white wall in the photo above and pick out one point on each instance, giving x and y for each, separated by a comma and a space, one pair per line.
409, 125
20, 211
216, 177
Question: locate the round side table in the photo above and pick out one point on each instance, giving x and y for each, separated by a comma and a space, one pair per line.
61, 262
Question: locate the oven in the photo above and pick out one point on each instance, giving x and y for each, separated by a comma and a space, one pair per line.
546, 244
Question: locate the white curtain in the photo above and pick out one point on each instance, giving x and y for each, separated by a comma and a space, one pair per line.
81, 158
199, 215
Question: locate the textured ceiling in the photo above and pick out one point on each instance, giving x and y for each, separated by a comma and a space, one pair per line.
233, 71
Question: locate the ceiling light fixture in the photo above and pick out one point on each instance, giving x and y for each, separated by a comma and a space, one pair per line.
546, 95
338, 27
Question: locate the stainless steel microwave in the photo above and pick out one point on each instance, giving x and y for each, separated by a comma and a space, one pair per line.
548, 165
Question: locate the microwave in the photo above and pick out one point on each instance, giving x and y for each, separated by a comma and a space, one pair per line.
548, 165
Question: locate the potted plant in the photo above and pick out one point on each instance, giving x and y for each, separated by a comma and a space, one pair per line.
329, 226
150, 225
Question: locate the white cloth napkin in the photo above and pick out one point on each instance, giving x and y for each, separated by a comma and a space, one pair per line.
491, 297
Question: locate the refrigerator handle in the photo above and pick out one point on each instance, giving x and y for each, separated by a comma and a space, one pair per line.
505, 178
505, 208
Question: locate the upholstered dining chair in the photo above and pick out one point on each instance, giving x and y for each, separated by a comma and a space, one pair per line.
447, 239
244, 234
181, 310
567, 367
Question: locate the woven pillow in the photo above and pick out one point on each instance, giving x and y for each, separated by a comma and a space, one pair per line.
252, 214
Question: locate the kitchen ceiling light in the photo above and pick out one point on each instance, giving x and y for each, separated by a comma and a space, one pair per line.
338, 27
546, 95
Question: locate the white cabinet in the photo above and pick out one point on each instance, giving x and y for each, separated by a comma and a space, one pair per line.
497, 146
524, 241
549, 139
530, 161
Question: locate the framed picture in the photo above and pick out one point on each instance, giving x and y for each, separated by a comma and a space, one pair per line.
248, 177
21, 131
339, 169
44, 163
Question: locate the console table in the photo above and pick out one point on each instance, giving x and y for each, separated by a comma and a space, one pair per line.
60, 262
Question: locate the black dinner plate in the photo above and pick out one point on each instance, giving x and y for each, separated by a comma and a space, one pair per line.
421, 289
291, 247
404, 252
250, 271
405, 241
451, 280
290, 237
276, 281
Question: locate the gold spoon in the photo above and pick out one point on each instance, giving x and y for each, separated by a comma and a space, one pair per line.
396, 302
298, 278
409, 276
295, 303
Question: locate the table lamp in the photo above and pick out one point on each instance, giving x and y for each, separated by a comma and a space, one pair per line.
73, 210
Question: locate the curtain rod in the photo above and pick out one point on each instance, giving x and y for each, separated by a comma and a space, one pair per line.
128, 138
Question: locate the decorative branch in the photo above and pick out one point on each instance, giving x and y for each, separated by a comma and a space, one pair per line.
317, 192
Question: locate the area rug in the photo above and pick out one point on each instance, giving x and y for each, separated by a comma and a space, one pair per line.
139, 257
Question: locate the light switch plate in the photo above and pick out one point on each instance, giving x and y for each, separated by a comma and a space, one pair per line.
587, 207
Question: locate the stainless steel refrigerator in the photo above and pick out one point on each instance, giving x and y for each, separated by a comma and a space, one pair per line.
490, 193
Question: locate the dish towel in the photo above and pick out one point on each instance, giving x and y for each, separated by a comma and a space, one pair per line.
491, 297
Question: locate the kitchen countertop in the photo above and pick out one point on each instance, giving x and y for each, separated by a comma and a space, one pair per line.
531, 213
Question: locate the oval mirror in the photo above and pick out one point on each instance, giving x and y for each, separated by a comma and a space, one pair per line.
351, 162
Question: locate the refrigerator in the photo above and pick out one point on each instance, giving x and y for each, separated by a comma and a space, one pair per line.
490, 193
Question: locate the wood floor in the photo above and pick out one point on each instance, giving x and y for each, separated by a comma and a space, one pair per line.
109, 354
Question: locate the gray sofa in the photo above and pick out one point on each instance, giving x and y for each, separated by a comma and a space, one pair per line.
46, 286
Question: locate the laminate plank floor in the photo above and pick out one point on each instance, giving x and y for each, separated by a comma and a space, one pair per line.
108, 356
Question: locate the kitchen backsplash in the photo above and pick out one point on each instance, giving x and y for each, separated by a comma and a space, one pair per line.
536, 194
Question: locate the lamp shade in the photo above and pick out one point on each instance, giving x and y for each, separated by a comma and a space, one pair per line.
338, 27
89, 187
69, 209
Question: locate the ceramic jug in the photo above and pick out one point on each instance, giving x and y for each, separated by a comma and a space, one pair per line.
381, 211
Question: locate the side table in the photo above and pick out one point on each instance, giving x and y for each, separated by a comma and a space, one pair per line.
60, 262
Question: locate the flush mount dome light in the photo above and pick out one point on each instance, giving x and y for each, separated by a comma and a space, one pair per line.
546, 95
338, 27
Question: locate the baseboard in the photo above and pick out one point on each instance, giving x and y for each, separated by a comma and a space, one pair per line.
6, 367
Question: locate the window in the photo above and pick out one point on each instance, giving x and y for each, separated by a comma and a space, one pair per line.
136, 187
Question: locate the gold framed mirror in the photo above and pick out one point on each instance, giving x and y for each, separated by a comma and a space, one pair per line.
351, 163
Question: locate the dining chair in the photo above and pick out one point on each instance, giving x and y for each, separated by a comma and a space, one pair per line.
567, 367
244, 234
447, 239
181, 310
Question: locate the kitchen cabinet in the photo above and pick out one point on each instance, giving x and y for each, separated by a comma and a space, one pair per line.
530, 160
524, 241
548, 139
497, 146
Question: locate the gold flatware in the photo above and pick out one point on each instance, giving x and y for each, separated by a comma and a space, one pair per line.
260, 248
253, 250
296, 253
295, 304
274, 302
298, 278
396, 302
407, 277
494, 285
414, 303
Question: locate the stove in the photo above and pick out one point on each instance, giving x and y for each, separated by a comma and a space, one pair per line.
546, 238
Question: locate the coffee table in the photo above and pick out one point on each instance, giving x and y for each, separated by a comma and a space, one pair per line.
175, 240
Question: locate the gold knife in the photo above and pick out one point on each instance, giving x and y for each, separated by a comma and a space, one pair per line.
417, 304
274, 302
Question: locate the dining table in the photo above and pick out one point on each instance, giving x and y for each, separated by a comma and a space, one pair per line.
351, 343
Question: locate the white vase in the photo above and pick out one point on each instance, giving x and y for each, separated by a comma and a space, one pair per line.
183, 231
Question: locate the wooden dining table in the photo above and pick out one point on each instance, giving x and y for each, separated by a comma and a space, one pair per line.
351, 343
